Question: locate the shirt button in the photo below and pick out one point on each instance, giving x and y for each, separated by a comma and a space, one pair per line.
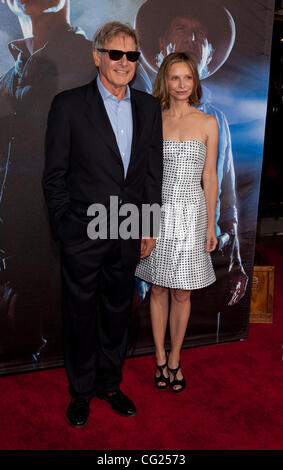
122, 131
123, 154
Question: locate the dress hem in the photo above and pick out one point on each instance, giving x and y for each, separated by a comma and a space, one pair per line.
175, 287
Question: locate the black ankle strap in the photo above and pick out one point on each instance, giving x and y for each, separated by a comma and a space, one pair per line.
160, 368
174, 371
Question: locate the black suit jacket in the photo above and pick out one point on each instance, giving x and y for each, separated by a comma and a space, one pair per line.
84, 166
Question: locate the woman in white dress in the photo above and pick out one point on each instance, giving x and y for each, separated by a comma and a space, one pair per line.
181, 258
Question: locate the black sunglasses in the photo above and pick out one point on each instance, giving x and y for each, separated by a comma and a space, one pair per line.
132, 56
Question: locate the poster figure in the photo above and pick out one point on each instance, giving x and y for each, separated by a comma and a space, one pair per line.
44, 52
52, 56
206, 30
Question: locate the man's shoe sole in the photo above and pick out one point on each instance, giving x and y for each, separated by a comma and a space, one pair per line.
124, 414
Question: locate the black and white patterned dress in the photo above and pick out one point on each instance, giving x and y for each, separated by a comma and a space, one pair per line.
179, 259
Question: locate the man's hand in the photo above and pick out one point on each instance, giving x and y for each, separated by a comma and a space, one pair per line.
147, 245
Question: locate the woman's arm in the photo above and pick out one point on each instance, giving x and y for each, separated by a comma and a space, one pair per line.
209, 178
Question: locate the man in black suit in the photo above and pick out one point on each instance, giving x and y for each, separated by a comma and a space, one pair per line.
103, 139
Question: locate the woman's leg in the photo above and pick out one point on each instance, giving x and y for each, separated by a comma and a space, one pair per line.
159, 308
179, 316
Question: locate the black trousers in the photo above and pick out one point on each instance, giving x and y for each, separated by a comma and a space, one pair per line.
97, 296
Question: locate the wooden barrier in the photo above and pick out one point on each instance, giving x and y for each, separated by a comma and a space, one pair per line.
261, 306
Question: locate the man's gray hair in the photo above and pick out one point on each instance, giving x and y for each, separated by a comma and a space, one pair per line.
110, 30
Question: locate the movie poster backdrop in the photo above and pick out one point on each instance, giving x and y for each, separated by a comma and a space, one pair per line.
231, 41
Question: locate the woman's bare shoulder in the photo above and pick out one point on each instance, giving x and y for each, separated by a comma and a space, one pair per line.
209, 118
210, 122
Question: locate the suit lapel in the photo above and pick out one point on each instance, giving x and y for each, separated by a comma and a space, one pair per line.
137, 126
98, 116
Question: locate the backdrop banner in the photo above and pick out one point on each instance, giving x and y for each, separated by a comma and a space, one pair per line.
46, 48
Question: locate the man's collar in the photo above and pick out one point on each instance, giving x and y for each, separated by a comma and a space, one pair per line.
20, 45
106, 94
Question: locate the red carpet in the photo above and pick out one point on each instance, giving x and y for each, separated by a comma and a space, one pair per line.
233, 399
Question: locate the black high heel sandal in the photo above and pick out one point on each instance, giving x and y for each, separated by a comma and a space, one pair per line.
180, 382
162, 377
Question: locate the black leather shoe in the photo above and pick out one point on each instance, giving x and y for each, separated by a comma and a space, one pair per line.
120, 403
78, 412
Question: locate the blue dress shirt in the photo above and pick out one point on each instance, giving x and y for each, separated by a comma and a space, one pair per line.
120, 116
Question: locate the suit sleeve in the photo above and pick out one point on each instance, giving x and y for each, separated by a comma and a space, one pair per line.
57, 156
153, 179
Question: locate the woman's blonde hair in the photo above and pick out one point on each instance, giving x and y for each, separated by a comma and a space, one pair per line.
160, 90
